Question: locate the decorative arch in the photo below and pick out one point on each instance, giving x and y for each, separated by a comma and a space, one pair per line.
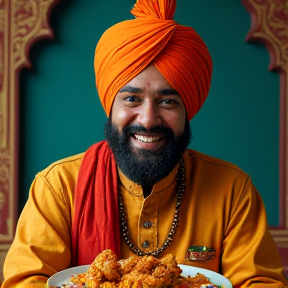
22, 23
269, 25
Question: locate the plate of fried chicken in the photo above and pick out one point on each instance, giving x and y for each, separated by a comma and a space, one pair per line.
107, 271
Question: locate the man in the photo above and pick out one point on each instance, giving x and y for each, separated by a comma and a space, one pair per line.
141, 191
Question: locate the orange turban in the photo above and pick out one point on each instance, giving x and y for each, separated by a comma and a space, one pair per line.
177, 51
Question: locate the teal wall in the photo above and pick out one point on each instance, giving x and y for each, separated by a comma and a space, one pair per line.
61, 114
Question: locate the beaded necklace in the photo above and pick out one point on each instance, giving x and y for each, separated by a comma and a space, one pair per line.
168, 241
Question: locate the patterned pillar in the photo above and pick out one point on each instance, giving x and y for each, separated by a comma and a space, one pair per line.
269, 25
22, 23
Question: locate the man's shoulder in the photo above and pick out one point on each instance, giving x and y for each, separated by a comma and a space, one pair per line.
68, 164
195, 158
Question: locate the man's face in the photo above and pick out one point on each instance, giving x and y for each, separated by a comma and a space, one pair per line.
148, 101
147, 130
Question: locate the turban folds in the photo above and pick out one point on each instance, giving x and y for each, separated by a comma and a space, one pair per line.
153, 37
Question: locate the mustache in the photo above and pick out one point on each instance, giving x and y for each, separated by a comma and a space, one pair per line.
132, 129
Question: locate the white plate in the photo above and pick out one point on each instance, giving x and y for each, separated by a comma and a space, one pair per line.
63, 277
214, 277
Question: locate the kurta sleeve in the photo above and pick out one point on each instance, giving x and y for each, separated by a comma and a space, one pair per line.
250, 257
42, 242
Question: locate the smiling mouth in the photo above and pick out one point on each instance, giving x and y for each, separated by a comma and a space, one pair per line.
146, 138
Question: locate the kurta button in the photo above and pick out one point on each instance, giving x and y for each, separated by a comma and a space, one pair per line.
147, 224
146, 244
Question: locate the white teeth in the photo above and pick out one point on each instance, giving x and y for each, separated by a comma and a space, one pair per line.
146, 139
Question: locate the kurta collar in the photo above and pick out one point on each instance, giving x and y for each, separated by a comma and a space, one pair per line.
159, 187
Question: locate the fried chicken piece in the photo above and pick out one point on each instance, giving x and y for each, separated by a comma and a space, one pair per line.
162, 272
126, 265
133, 279
94, 277
137, 279
79, 278
170, 262
198, 279
151, 282
146, 264
104, 267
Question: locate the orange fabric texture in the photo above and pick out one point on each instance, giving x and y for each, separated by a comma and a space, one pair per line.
153, 37
95, 226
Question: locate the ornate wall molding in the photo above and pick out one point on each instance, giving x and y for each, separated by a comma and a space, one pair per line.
22, 23
269, 25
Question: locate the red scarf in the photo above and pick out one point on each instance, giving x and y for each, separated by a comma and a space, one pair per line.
95, 224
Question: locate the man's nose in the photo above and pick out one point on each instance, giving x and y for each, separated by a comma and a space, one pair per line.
149, 115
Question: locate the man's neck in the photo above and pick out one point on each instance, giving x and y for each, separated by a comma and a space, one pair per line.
147, 189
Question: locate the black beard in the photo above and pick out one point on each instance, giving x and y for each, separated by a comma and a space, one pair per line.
142, 166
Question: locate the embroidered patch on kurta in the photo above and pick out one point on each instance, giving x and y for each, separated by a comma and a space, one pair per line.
200, 253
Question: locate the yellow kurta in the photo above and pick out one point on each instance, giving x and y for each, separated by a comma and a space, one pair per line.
221, 209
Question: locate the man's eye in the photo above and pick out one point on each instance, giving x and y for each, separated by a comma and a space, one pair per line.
168, 101
130, 98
